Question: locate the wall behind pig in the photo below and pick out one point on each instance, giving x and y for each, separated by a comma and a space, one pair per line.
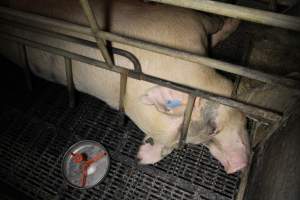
276, 174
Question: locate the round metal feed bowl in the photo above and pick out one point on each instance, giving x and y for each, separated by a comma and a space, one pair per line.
85, 164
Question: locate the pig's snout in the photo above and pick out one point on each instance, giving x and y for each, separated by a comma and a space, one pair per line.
233, 160
236, 162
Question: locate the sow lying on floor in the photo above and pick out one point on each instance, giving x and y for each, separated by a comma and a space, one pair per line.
156, 110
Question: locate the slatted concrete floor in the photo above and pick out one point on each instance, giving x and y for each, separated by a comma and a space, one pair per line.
37, 128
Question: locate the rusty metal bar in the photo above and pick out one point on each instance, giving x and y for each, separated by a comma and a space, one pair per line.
244, 179
251, 110
85, 33
70, 82
240, 12
95, 30
26, 68
123, 84
186, 120
246, 172
290, 110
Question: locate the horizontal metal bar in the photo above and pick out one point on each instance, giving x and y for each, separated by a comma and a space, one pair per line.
117, 51
251, 110
82, 32
240, 12
94, 27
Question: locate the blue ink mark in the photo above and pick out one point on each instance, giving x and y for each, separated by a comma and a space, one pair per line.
173, 103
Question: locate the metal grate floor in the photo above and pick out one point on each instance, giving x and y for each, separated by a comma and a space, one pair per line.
34, 137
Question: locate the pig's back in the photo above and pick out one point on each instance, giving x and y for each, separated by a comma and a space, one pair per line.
156, 23
171, 26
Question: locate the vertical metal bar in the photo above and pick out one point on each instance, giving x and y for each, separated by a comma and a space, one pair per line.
94, 27
70, 83
186, 120
245, 59
244, 179
273, 5
27, 72
123, 84
245, 174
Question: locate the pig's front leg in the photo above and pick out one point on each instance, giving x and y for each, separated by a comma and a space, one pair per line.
152, 152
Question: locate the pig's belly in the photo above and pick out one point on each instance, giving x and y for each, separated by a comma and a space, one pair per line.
97, 82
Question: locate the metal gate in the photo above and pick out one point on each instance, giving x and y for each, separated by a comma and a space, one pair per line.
94, 37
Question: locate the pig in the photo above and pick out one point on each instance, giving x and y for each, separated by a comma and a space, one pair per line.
220, 128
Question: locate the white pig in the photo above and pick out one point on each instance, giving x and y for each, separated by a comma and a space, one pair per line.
221, 128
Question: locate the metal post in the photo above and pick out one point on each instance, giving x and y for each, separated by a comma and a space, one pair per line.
70, 83
245, 174
94, 27
244, 179
240, 12
186, 120
248, 48
26, 68
123, 84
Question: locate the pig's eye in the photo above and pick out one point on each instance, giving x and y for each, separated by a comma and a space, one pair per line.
213, 128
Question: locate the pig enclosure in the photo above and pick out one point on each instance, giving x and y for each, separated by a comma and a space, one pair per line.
37, 127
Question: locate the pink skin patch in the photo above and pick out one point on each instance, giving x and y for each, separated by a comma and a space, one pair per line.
150, 154
233, 160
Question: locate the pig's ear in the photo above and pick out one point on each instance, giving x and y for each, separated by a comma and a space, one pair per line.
165, 100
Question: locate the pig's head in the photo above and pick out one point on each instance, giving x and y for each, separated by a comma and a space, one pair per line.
203, 126
231, 147
220, 128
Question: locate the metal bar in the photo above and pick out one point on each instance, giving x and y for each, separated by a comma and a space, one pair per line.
248, 48
85, 33
123, 84
26, 68
95, 30
240, 12
244, 179
70, 82
120, 52
186, 120
287, 114
246, 172
251, 110
135, 61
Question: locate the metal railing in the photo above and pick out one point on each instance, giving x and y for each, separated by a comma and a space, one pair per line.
239, 12
95, 38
